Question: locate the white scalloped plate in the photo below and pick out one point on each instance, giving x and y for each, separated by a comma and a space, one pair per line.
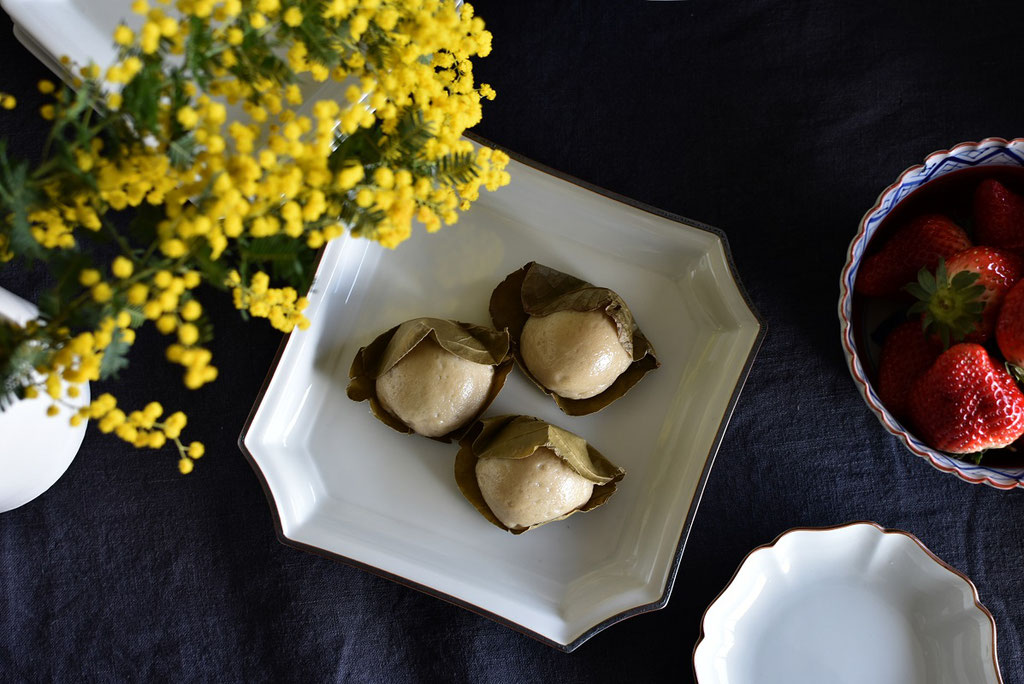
853, 604
36, 448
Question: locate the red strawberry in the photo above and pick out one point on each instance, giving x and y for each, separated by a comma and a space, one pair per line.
965, 305
906, 355
1010, 328
999, 216
919, 244
967, 402
998, 272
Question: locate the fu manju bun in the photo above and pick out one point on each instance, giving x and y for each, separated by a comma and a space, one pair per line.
520, 472
575, 354
434, 391
576, 341
524, 492
431, 376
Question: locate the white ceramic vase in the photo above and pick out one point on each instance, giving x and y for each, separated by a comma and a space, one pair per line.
35, 449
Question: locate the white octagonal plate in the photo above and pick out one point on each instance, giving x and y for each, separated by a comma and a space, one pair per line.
343, 484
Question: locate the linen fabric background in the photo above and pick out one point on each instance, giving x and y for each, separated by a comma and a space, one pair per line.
778, 122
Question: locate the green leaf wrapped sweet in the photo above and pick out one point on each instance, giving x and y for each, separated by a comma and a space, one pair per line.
521, 472
431, 376
576, 341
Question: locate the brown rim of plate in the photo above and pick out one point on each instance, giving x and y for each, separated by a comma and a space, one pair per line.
701, 483
830, 528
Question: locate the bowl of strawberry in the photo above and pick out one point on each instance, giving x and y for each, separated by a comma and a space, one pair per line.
932, 310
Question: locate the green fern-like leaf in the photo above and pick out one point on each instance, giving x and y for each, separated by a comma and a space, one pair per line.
411, 136
115, 356
182, 151
16, 198
288, 259
455, 168
141, 97
197, 50
273, 248
215, 272
19, 357
313, 33
360, 146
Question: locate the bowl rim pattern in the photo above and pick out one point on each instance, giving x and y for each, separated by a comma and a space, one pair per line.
963, 155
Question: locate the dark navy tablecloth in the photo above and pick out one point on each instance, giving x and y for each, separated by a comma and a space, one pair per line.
778, 122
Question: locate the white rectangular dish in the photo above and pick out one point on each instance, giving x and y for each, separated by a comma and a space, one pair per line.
344, 484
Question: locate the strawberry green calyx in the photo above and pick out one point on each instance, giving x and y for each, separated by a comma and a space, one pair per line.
1015, 371
949, 307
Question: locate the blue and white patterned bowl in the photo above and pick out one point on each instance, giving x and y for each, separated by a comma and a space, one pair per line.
988, 152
